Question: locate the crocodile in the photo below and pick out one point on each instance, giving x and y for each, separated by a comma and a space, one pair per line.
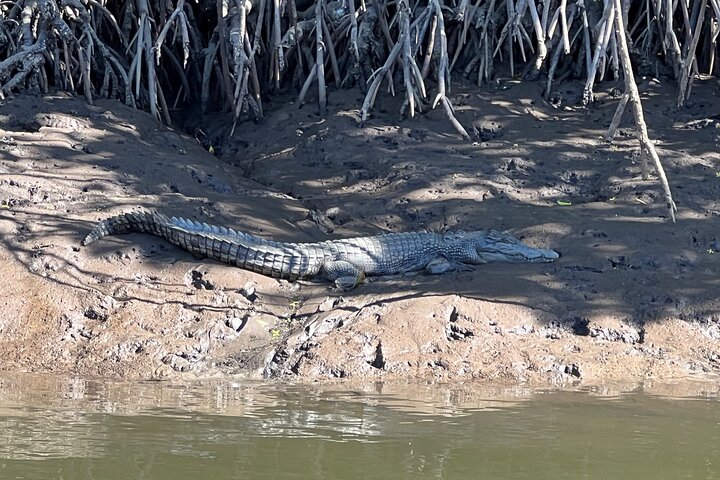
346, 262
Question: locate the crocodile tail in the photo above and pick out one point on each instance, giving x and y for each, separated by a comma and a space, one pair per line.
141, 222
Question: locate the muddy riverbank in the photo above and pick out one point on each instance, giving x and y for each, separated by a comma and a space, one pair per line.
632, 297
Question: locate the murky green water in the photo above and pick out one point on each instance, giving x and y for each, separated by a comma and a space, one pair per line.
73, 429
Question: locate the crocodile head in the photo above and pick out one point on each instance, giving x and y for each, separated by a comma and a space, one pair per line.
494, 246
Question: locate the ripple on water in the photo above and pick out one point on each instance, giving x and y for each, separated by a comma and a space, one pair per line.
74, 428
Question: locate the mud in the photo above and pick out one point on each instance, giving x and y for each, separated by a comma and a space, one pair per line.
632, 297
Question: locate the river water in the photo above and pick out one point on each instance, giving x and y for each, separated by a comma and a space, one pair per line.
69, 428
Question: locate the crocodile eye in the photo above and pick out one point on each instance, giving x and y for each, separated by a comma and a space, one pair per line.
496, 237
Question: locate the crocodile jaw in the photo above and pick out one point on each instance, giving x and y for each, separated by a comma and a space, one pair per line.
514, 252
517, 254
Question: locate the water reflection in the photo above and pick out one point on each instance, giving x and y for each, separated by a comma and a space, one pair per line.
72, 428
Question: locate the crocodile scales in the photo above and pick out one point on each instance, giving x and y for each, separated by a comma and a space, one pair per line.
345, 262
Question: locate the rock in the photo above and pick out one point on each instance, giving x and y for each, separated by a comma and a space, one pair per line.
177, 363
94, 314
332, 212
324, 223
523, 329
248, 291
236, 323
329, 303
573, 370
630, 336
486, 130
620, 262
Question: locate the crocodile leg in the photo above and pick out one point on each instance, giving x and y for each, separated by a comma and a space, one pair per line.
345, 275
442, 265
